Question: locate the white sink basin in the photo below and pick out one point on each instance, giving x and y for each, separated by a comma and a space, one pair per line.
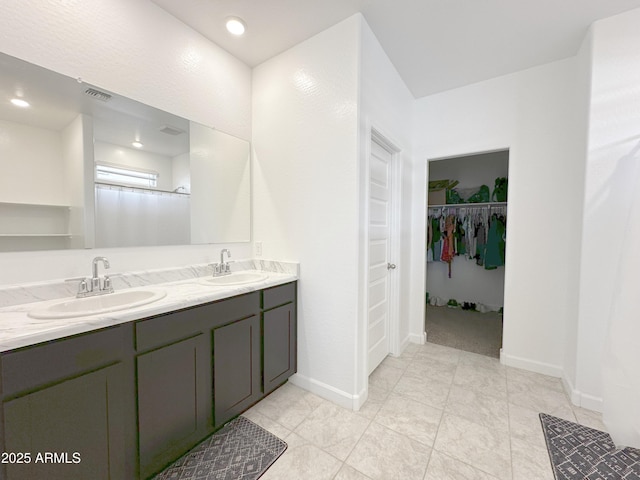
236, 278
110, 302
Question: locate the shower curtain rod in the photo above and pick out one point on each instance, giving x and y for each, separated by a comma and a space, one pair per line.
128, 188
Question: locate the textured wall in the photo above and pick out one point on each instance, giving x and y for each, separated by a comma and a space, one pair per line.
386, 105
614, 123
532, 113
136, 49
305, 193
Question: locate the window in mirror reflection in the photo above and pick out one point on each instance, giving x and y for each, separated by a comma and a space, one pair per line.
127, 176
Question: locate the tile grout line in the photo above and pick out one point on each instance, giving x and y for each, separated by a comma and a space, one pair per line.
446, 401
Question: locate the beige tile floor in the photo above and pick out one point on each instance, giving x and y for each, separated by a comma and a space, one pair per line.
434, 413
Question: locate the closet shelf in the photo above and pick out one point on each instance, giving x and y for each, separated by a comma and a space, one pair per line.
454, 205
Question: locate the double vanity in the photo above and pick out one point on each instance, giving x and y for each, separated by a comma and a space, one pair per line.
118, 385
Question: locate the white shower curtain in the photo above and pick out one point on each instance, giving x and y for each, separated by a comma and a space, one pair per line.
621, 362
133, 218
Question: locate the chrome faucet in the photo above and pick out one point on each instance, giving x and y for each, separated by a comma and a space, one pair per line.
222, 268
96, 286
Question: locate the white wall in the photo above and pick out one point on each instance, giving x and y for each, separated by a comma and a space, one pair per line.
220, 186
471, 171
31, 156
386, 105
135, 49
181, 173
305, 195
531, 113
73, 141
614, 142
582, 85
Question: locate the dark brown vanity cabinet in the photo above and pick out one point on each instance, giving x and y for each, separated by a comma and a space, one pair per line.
173, 380
235, 340
128, 400
279, 335
64, 411
236, 368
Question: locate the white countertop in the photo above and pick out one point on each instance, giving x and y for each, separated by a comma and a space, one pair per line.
18, 330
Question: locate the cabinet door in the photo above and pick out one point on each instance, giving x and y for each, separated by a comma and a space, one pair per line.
279, 337
72, 430
236, 368
174, 401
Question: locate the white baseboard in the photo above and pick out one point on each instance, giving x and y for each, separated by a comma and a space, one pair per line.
531, 365
591, 402
571, 391
577, 397
404, 343
580, 399
339, 397
420, 339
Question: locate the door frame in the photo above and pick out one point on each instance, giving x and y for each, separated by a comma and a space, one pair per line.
374, 134
466, 153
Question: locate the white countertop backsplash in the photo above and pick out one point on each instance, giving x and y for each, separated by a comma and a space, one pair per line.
182, 285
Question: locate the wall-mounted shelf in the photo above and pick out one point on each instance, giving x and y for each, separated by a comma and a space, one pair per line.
35, 235
34, 205
34, 226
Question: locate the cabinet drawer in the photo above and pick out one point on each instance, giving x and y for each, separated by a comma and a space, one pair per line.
232, 309
47, 363
276, 296
170, 327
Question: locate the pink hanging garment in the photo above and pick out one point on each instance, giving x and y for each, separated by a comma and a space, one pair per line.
448, 250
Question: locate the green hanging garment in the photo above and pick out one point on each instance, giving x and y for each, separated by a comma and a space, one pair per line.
495, 248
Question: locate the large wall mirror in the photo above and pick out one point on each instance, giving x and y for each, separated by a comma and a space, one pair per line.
82, 167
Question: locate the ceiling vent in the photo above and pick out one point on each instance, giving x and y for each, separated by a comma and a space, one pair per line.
169, 130
97, 94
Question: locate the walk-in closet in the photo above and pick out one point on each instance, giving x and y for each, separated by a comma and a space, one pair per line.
466, 251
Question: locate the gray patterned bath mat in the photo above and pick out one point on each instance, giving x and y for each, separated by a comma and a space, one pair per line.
582, 453
241, 450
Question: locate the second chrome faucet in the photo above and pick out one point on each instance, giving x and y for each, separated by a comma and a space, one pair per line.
222, 268
95, 285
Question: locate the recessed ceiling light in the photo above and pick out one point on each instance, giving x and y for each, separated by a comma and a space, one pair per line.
18, 102
137, 144
235, 25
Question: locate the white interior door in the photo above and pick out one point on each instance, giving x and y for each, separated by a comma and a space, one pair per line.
379, 263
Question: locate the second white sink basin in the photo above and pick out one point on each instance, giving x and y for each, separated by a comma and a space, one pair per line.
236, 278
110, 302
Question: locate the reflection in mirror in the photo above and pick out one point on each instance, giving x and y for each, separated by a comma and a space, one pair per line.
83, 167
41, 158
226, 159
142, 179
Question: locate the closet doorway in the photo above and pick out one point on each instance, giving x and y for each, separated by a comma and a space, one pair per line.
466, 246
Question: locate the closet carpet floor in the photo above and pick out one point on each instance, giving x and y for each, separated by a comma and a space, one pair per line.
466, 330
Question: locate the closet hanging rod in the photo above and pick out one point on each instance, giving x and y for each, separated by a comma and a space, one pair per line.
470, 205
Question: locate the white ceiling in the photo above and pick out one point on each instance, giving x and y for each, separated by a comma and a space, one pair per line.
435, 45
